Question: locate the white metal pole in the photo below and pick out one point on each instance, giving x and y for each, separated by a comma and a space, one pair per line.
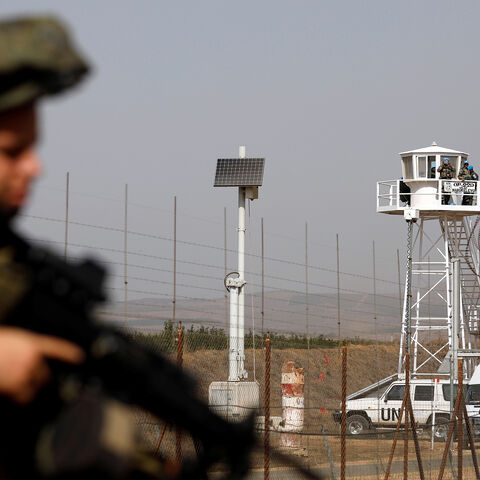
233, 348
456, 314
448, 273
241, 271
417, 328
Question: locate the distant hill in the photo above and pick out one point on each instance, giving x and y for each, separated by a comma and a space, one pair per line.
284, 312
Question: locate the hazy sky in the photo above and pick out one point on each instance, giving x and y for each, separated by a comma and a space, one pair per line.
327, 92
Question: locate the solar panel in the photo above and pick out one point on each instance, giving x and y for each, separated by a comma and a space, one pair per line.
239, 172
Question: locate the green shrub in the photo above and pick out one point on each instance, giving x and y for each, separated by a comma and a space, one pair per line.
212, 338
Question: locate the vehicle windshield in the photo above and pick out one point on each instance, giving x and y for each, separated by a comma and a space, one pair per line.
473, 395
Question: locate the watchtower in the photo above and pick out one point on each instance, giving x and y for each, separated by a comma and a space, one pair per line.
441, 215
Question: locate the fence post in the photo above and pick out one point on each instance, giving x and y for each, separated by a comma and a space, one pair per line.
343, 429
266, 441
178, 432
460, 422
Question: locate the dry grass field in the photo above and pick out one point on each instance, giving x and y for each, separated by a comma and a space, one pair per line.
366, 365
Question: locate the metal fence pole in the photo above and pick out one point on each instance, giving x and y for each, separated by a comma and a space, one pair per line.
338, 293
307, 370
471, 440
67, 202
343, 428
377, 376
263, 280
449, 437
174, 301
266, 441
225, 264
125, 259
178, 432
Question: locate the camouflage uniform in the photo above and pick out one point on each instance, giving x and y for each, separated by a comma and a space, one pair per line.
37, 58
470, 175
446, 172
463, 172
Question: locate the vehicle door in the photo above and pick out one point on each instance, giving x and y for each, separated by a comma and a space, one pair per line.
390, 404
444, 405
423, 402
473, 406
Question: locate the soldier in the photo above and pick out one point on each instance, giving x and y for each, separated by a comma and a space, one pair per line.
404, 192
470, 175
447, 172
36, 60
463, 171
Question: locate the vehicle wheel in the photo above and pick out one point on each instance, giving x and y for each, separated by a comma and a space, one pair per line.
440, 430
357, 424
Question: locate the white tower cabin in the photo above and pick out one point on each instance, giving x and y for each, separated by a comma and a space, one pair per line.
441, 214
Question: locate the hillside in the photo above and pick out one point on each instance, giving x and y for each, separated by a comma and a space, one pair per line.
285, 311
366, 365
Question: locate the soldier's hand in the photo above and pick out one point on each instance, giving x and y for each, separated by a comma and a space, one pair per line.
23, 361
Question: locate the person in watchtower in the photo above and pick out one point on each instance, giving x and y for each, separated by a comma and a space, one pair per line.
404, 192
470, 175
447, 172
463, 171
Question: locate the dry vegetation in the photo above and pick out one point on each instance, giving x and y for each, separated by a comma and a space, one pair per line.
366, 365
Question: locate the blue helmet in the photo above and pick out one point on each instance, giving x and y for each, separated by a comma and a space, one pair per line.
465, 162
470, 167
445, 159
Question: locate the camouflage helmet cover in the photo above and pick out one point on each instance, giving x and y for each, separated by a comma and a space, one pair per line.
37, 58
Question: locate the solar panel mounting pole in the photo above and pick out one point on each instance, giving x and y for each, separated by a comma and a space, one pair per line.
247, 175
242, 373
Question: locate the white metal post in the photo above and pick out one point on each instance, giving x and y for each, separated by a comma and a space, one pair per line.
456, 314
233, 347
449, 285
236, 355
241, 277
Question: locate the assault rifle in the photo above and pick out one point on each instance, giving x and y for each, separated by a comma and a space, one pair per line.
52, 297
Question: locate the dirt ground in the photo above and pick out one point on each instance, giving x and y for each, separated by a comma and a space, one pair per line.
320, 441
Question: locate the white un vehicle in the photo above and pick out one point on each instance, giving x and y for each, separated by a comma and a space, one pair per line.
430, 402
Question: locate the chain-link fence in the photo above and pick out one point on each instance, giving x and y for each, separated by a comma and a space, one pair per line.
168, 293
308, 428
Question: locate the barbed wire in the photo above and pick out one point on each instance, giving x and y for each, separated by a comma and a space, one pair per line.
207, 312
142, 254
181, 213
213, 247
270, 287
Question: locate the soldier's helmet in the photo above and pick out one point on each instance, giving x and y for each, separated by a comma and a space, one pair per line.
446, 160
470, 167
37, 58
465, 162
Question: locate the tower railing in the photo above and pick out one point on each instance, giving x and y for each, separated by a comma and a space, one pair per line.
391, 195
